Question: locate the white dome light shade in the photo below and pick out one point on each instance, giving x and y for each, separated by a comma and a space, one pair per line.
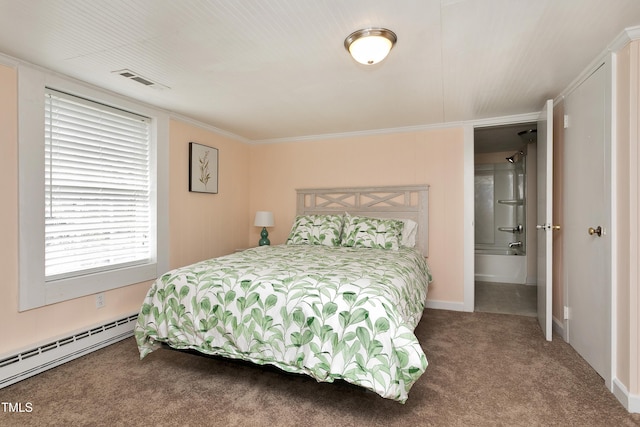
370, 46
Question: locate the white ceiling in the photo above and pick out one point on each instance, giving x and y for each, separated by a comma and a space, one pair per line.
277, 69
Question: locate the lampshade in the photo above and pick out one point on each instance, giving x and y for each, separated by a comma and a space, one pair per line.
264, 219
371, 45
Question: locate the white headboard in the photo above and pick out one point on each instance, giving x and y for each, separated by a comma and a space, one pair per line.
400, 202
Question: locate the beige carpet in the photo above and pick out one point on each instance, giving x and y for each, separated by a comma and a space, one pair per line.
485, 369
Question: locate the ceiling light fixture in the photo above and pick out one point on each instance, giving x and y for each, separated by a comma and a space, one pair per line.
371, 45
529, 136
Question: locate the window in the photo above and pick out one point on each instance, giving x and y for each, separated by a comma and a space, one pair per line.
97, 197
93, 206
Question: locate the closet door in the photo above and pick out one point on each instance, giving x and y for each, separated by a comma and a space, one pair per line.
587, 204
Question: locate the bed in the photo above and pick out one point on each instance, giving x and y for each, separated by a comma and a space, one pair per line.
338, 301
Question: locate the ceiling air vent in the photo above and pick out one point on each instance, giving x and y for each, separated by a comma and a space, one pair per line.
138, 78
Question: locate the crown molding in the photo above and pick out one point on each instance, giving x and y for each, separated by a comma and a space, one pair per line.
627, 35
8, 61
209, 127
352, 134
493, 121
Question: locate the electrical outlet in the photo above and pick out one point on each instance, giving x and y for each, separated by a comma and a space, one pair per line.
100, 300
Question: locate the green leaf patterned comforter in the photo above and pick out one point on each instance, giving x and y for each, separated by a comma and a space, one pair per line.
328, 312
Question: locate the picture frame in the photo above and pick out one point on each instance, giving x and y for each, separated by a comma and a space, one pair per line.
203, 168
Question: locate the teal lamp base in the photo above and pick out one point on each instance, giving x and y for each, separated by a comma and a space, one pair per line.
265, 237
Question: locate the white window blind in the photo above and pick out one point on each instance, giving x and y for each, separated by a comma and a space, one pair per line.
97, 187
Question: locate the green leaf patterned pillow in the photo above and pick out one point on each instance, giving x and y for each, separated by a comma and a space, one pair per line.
365, 232
316, 230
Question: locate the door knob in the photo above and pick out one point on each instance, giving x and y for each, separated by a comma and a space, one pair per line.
597, 231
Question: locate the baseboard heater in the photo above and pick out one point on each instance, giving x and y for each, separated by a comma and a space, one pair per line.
31, 362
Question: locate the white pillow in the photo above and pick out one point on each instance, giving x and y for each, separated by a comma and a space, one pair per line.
409, 232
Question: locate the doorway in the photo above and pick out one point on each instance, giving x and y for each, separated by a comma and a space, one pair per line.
504, 241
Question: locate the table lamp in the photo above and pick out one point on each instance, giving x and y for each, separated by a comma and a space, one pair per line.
264, 219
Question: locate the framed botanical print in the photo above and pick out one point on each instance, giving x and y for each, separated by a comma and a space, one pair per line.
203, 168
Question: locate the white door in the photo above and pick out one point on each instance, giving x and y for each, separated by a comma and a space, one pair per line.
545, 217
586, 221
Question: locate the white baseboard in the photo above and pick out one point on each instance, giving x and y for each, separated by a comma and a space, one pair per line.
631, 402
25, 364
445, 305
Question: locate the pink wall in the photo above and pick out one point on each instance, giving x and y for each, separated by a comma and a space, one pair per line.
433, 157
204, 225
627, 314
